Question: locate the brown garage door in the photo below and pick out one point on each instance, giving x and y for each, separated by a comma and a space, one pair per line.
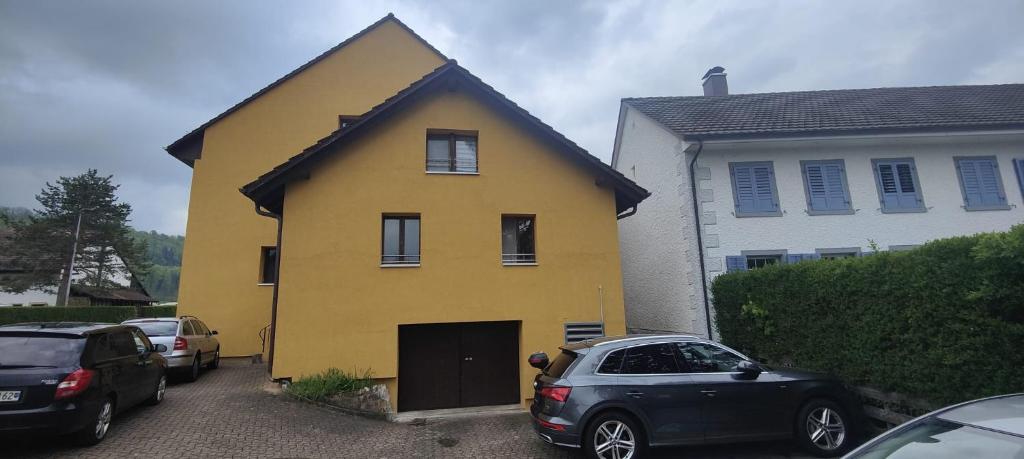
456, 365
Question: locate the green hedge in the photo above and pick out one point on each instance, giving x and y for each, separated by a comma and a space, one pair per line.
943, 322
102, 314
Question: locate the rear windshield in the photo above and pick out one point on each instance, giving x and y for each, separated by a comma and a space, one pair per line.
39, 351
557, 367
158, 328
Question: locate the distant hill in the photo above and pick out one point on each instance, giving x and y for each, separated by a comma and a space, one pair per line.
164, 251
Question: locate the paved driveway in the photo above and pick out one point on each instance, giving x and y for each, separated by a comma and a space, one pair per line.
227, 413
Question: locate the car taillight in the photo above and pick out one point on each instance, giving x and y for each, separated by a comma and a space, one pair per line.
556, 393
180, 344
74, 384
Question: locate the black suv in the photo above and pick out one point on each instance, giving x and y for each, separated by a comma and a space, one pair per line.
71, 378
616, 396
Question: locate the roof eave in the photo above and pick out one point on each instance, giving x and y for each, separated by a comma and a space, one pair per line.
852, 132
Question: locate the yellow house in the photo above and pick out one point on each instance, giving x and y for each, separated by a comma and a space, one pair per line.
435, 239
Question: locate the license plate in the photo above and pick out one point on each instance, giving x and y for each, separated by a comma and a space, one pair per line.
10, 396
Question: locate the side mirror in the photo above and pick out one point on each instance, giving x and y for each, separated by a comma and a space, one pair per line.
538, 360
748, 368
159, 348
213, 332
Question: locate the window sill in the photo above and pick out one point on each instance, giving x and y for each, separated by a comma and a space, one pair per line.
983, 208
909, 210
399, 265
264, 284
830, 212
758, 214
451, 173
518, 264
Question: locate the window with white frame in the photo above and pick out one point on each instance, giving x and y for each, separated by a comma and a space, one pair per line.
517, 240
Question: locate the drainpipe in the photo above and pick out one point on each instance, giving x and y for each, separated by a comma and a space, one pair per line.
277, 283
700, 231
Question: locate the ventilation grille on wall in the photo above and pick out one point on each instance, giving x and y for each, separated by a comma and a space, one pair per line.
579, 331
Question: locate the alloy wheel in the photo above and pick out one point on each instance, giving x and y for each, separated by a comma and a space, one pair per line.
614, 440
826, 429
103, 421
161, 388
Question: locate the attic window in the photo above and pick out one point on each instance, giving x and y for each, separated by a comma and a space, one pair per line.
451, 151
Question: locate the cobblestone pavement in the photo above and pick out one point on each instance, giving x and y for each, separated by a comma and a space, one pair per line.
227, 413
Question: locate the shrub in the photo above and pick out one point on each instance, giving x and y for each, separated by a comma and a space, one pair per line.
100, 314
943, 322
323, 385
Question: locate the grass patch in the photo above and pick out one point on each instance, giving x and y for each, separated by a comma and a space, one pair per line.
332, 381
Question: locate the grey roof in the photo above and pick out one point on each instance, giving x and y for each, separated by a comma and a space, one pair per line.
837, 112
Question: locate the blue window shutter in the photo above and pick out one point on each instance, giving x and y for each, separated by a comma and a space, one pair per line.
897, 185
980, 180
753, 185
735, 263
743, 184
826, 188
1018, 164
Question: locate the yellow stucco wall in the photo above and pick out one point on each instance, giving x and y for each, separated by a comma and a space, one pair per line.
337, 306
220, 266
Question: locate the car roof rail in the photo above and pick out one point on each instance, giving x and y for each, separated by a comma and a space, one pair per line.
186, 316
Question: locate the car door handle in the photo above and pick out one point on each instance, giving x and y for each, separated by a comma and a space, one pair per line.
635, 394
709, 392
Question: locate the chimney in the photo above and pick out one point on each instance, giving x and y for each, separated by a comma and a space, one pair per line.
714, 82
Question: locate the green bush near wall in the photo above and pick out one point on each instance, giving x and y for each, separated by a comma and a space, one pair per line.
943, 322
101, 314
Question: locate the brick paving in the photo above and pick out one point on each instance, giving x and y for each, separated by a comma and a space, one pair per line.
227, 413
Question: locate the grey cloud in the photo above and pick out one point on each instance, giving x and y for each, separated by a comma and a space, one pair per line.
107, 84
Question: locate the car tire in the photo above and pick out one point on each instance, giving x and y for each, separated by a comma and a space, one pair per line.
95, 431
614, 430
159, 392
193, 371
824, 429
216, 360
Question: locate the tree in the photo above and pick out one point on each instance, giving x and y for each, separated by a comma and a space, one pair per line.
41, 245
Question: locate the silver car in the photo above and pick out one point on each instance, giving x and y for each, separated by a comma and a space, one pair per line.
190, 343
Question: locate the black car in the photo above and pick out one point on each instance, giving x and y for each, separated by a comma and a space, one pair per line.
614, 397
72, 378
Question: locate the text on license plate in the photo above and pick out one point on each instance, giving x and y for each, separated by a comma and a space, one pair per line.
10, 395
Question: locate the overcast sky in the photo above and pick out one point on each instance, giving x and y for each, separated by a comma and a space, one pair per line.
107, 85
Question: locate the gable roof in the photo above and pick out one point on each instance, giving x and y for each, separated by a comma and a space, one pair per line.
186, 148
839, 112
268, 190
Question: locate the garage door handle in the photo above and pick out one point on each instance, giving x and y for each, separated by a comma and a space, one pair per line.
635, 394
709, 392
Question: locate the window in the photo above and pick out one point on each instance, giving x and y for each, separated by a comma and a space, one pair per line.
707, 358
517, 240
200, 327
142, 344
268, 265
451, 151
760, 261
400, 241
612, 363
826, 187
651, 359
123, 343
187, 329
561, 363
939, 438
899, 190
42, 350
158, 328
753, 189
980, 183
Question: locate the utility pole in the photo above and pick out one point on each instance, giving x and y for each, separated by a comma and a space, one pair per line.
65, 289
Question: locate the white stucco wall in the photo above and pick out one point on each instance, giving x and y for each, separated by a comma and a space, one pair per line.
798, 232
661, 277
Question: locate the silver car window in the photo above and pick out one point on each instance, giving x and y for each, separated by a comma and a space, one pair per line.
186, 328
706, 358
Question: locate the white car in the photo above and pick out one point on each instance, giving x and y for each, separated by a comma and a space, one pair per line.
191, 345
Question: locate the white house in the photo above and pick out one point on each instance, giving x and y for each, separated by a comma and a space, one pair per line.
784, 177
